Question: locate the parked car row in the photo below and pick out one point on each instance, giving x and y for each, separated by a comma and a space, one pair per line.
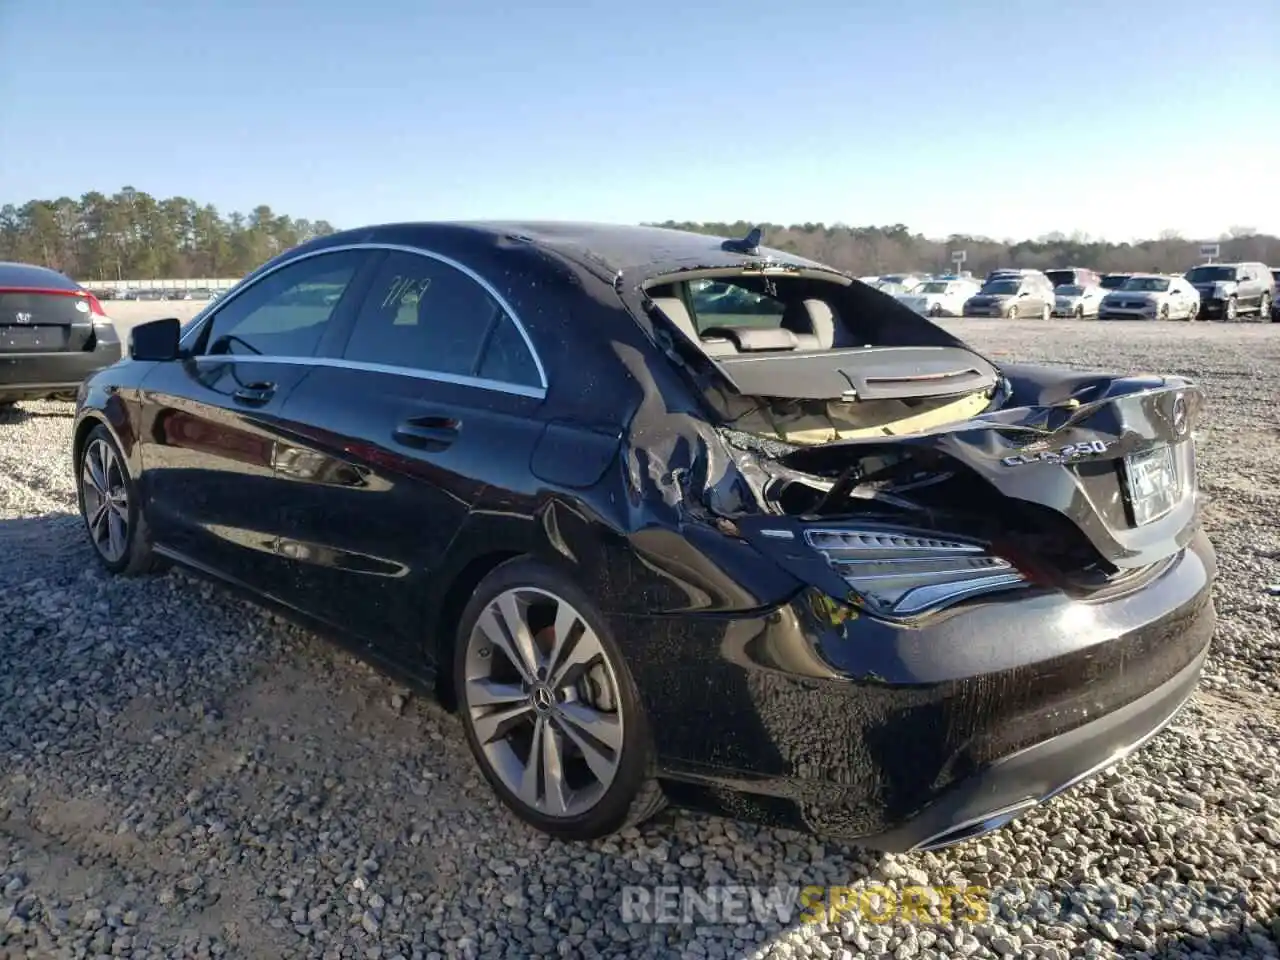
1212, 291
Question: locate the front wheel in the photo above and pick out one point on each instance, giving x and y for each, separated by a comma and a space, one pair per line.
1264, 308
1013, 312
550, 710
1079, 314
1164, 311
1045, 313
1230, 310
110, 506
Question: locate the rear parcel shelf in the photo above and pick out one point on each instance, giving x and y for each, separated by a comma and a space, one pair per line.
866, 373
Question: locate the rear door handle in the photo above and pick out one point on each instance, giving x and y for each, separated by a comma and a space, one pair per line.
255, 393
428, 433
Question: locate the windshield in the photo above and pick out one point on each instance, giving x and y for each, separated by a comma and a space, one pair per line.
1155, 284
1005, 285
933, 286
1060, 278
1211, 274
1070, 290
1114, 281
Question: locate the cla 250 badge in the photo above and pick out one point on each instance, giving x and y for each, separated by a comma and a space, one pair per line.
1072, 451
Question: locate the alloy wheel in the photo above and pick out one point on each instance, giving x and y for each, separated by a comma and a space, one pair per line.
1230, 312
106, 500
542, 699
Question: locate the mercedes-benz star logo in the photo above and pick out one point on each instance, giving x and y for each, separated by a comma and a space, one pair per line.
543, 699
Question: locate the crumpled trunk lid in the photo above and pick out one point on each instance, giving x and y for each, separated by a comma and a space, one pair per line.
1112, 455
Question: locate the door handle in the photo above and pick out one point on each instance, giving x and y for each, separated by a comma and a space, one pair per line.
255, 393
428, 433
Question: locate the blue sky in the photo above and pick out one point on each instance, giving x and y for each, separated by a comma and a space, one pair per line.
1009, 119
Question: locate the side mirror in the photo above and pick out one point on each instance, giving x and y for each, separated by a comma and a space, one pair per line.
156, 340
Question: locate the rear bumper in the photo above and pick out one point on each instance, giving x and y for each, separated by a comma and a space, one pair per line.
900, 738
1210, 307
37, 376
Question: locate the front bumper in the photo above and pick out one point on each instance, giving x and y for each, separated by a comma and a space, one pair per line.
38, 376
1128, 313
903, 738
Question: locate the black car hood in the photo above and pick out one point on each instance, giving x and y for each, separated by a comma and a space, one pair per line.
1015, 447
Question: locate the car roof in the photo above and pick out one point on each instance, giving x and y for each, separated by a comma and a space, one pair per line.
615, 248
29, 275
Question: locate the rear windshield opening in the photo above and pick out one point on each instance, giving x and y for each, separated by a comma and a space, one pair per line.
753, 313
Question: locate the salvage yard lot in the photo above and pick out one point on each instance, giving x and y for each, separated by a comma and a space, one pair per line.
183, 774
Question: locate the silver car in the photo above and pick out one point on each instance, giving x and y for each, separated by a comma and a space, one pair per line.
1076, 301
1151, 296
1012, 296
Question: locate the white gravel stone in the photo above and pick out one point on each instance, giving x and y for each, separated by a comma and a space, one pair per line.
183, 774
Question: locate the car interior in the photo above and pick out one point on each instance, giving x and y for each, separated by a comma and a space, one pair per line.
727, 318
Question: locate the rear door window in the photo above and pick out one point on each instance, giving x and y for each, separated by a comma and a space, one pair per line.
420, 313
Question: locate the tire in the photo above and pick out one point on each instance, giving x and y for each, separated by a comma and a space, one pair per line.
1230, 310
1079, 314
620, 789
1013, 312
127, 552
935, 310
1045, 313
1164, 311
1264, 308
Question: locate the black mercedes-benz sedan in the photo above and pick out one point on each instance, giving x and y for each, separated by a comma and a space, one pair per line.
673, 518
53, 334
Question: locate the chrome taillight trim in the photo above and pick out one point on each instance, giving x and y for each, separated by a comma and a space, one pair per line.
909, 573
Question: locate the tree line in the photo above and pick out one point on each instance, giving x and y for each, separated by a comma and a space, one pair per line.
131, 235
874, 251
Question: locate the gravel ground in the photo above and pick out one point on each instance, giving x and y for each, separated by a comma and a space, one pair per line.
183, 774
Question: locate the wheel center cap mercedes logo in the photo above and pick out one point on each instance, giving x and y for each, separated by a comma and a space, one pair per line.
543, 698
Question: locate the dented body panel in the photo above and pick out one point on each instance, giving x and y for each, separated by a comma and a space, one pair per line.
686, 507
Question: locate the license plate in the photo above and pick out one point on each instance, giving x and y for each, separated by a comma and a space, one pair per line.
1152, 480
28, 338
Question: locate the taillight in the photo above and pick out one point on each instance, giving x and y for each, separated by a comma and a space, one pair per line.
905, 574
95, 307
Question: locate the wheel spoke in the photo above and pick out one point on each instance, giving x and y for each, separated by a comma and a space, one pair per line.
498, 723
487, 693
97, 472
528, 788
89, 481
570, 632
597, 735
553, 785
97, 522
115, 534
